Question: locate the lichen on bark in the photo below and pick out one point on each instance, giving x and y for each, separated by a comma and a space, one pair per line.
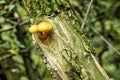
68, 54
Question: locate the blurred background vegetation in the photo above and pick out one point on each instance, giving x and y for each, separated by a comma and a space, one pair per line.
20, 61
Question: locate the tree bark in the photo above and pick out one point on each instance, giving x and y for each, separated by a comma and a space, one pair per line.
67, 51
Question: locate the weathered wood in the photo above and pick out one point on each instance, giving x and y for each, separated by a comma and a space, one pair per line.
66, 51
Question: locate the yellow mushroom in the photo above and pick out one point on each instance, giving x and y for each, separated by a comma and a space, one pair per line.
33, 29
44, 28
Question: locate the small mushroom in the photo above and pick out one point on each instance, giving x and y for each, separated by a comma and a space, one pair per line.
33, 29
44, 28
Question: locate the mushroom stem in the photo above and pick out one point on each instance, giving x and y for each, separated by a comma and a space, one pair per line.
43, 35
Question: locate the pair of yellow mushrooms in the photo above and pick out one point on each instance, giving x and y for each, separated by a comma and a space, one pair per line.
42, 29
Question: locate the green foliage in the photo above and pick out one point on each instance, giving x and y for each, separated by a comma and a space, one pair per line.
104, 18
103, 30
18, 57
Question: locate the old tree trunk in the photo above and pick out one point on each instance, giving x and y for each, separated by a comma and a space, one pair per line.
67, 52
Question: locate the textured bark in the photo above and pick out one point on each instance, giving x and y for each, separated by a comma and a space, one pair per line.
67, 52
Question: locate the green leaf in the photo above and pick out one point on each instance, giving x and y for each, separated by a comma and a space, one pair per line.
2, 19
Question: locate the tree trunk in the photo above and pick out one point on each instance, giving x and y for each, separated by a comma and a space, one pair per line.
67, 52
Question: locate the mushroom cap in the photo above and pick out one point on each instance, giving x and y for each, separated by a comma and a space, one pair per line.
45, 27
33, 29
